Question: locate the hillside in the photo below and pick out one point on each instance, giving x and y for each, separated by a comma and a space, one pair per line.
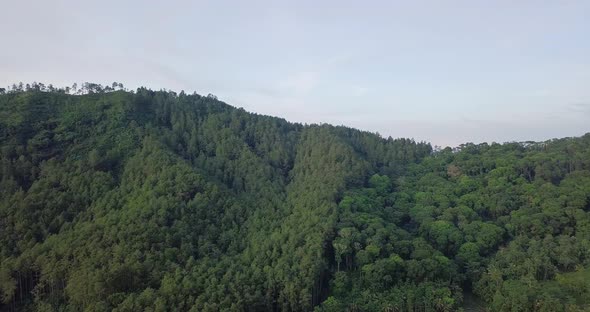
112, 200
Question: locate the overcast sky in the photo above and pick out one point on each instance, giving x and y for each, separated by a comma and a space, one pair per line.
446, 72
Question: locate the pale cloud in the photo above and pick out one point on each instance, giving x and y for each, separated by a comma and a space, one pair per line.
580, 108
301, 83
359, 91
304, 82
338, 59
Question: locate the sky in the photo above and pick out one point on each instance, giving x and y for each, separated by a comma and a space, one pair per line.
446, 72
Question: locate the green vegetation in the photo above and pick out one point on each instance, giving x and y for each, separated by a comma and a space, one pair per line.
112, 200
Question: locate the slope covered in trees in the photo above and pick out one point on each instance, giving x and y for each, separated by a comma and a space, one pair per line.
158, 201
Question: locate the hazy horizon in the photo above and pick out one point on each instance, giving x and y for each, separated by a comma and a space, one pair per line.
462, 71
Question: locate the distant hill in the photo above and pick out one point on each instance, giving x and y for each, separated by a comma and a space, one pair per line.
112, 200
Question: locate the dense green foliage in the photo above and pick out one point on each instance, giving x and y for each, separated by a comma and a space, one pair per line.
157, 201
510, 223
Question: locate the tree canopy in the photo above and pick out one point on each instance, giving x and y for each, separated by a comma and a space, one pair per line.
118, 200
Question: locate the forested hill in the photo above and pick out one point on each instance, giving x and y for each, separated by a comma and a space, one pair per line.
112, 200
